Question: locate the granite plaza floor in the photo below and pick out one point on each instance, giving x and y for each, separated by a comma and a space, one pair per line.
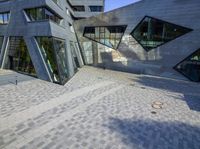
98, 109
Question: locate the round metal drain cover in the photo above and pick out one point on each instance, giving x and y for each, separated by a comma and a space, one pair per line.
157, 105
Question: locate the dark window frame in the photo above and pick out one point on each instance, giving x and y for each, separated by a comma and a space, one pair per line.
44, 8
125, 27
175, 67
146, 16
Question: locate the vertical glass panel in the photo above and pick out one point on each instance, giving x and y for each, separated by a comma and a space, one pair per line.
88, 54
1, 42
109, 36
18, 58
61, 57
74, 54
151, 32
190, 67
1, 18
54, 54
39, 14
47, 50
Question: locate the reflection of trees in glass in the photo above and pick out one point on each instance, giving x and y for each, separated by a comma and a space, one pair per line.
18, 57
190, 67
151, 32
59, 46
54, 54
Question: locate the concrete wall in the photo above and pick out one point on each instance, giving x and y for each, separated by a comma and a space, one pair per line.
159, 61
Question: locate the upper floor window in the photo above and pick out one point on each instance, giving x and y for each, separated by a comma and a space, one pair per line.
4, 17
78, 8
96, 8
42, 13
152, 33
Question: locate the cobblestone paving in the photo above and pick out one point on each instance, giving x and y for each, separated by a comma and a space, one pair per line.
101, 109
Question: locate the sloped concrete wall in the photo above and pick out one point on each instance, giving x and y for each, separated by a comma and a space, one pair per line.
159, 61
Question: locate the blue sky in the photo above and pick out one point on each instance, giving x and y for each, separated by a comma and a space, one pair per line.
113, 4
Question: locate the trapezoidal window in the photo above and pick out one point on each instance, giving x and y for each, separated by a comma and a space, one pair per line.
190, 67
54, 53
107, 35
152, 33
18, 58
42, 14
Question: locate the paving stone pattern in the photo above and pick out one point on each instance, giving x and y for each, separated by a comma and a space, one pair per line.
112, 110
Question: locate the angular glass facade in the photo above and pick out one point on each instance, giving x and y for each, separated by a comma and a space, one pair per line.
54, 54
18, 58
152, 32
4, 17
190, 67
107, 35
42, 13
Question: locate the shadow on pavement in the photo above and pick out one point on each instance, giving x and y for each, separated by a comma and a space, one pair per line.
149, 134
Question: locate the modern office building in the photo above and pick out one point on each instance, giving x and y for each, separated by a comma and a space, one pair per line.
51, 38
37, 37
156, 37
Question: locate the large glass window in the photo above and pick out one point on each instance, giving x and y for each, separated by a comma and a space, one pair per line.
96, 8
109, 36
42, 13
18, 58
190, 67
4, 17
151, 32
54, 54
